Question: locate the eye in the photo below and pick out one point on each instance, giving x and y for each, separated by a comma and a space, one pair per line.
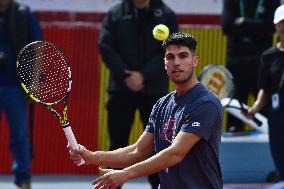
183, 55
170, 57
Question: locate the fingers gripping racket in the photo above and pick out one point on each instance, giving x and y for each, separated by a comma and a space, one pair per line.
218, 79
45, 75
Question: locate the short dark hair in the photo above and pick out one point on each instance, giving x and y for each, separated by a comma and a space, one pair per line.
180, 39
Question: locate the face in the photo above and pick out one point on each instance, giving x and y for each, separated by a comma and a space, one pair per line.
280, 29
180, 63
4, 5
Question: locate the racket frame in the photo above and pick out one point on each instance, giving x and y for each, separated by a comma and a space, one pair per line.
233, 91
64, 118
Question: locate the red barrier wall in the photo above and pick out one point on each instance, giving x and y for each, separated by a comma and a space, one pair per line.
50, 154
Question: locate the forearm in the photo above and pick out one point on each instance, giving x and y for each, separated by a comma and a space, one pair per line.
260, 101
119, 158
156, 163
166, 158
124, 157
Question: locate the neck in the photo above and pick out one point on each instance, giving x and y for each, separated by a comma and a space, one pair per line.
280, 46
141, 4
182, 88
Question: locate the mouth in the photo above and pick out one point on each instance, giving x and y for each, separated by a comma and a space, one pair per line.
176, 71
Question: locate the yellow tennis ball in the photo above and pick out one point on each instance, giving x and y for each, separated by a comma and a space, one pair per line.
161, 32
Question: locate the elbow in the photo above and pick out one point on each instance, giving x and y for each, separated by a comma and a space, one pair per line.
174, 159
177, 159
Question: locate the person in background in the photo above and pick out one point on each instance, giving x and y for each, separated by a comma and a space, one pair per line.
248, 27
18, 27
271, 93
135, 61
184, 129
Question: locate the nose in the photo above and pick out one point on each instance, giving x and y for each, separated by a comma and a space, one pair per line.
176, 62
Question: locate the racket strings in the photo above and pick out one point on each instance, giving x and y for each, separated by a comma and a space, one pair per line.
218, 80
44, 72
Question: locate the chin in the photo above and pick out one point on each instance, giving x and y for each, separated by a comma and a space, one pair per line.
179, 81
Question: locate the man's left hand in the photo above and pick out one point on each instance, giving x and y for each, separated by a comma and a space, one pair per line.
110, 180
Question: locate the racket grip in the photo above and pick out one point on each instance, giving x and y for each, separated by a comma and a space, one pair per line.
257, 121
72, 141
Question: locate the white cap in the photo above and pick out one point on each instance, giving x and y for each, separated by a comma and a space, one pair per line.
279, 14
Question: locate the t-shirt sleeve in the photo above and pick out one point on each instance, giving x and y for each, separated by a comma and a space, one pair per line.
201, 120
150, 126
263, 75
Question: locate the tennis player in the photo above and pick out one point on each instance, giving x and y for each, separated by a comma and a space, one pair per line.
184, 128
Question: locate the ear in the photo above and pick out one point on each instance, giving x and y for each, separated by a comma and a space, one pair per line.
195, 61
165, 63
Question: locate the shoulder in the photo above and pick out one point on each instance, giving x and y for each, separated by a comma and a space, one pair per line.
207, 98
270, 53
231, 2
164, 102
165, 99
116, 7
21, 11
160, 5
117, 10
20, 7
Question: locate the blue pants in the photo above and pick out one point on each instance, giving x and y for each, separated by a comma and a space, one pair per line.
13, 103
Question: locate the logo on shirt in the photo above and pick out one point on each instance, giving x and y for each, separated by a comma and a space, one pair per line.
195, 124
168, 130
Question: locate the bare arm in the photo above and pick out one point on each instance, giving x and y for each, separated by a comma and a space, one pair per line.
119, 158
258, 104
168, 157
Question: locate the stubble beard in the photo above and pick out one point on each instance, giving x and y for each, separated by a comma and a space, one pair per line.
186, 78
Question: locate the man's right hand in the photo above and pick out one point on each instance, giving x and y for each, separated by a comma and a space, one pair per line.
250, 113
82, 153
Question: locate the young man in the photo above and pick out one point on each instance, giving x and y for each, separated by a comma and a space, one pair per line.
135, 60
184, 128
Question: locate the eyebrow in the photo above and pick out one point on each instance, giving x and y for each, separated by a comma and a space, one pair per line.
181, 53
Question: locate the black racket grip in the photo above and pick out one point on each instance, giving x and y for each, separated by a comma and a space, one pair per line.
257, 121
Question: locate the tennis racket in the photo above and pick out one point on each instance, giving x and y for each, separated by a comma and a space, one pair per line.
219, 80
44, 73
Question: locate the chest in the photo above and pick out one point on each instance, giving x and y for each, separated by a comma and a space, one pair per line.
276, 67
170, 124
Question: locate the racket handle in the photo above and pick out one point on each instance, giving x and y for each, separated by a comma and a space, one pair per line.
72, 141
257, 121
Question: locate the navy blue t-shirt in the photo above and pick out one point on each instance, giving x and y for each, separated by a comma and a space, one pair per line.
198, 111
